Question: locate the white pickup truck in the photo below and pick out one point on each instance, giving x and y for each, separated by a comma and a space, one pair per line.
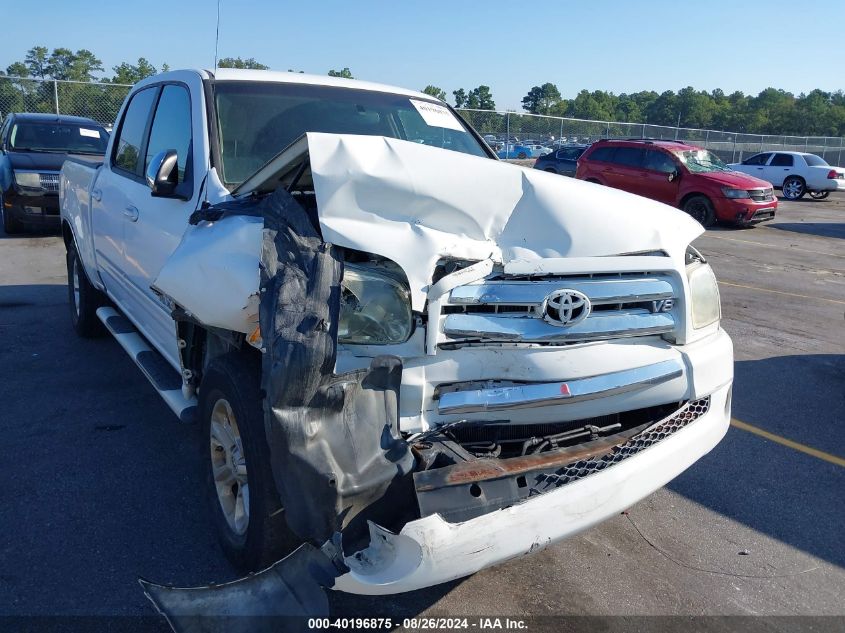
794, 173
434, 361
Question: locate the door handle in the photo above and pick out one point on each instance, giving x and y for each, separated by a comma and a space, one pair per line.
131, 213
97, 194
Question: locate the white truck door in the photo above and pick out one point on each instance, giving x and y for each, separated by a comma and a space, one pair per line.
151, 236
779, 168
109, 202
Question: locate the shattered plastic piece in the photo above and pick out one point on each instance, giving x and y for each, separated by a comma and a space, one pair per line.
279, 598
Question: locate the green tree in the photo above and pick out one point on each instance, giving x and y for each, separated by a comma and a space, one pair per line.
460, 97
237, 62
345, 73
127, 73
79, 66
541, 99
435, 92
17, 69
37, 61
480, 99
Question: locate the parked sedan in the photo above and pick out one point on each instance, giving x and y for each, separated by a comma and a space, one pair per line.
795, 173
32, 150
563, 161
538, 150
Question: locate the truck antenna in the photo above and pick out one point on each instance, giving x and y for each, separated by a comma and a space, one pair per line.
217, 36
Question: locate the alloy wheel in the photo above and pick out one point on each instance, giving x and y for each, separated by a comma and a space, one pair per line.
228, 466
76, 284
793, 189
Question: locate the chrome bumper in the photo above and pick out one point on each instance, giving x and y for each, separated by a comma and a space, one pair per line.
554, 393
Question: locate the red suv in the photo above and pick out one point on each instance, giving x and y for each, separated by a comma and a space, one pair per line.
684, 176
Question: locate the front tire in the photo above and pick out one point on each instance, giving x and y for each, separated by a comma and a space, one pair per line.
83, 298
794, 188
522, 156
11, 225
245, 506
701, 210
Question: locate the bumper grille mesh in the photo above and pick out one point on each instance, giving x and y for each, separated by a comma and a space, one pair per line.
651, 436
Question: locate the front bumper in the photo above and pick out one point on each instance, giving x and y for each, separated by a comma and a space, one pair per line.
745, 211
432, 550
36, 209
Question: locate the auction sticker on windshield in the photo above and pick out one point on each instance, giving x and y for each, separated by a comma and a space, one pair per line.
437, 115
86, 132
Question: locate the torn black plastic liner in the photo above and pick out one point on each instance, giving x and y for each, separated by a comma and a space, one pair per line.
279, 598
334, 439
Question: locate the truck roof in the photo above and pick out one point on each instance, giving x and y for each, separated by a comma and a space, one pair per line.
238, 74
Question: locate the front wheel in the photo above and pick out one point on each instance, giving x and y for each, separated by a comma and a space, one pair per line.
794, 188
701, 210
819, 195
522, 156
245, 506
10, 225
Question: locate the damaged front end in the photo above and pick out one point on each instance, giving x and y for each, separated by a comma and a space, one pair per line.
417, 391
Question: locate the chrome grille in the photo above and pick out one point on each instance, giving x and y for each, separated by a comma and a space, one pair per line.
762, 195
49, 181
511, 310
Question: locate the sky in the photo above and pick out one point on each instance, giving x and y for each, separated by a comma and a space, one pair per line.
510, 46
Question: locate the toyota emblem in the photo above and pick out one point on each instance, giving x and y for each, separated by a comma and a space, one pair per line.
566, 307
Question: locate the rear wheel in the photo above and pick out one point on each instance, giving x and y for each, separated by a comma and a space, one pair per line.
794, 188
83, 298
819, 195
245, 505
522, 156
701, 210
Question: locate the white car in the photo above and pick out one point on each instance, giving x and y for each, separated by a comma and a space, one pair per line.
538, 150
795, 173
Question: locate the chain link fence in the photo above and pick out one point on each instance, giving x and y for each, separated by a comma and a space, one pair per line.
549, 131
101, 101
98, 101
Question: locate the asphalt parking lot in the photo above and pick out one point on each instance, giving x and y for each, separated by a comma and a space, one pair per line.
102, 483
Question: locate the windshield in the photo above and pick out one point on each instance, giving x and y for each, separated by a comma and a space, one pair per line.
700, 161
257, 120
815, 161
50, 136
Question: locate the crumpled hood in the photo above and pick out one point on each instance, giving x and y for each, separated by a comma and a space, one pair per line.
416, 204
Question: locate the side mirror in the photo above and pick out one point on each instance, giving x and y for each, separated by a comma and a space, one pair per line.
163, 174
672, 175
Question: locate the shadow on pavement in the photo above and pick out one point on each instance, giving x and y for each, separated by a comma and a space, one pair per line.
776, 490
822, 229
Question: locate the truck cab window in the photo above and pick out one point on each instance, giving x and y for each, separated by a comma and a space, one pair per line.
127, 151
171, 127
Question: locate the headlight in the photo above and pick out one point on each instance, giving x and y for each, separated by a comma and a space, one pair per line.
704, 292
28, 179
735, 193
375, 308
